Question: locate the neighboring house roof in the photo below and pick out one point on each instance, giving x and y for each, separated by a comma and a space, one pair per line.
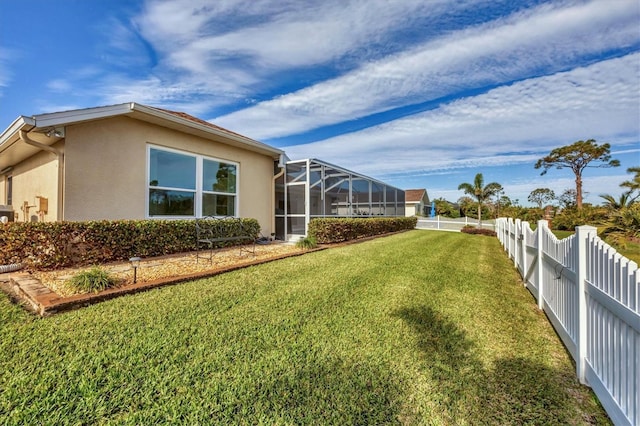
47, 129
414, 195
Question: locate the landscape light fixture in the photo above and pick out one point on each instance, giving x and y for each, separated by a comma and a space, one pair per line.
135, 262
58, 132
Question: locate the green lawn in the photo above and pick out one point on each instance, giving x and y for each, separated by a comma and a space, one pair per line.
422, 327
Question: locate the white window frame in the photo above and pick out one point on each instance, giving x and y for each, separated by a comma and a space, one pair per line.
8, 189
199, 190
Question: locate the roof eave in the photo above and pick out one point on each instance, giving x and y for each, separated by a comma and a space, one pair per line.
134, 110
17, 125
79, 115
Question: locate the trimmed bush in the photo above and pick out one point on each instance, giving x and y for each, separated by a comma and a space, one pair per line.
468, 229
51, 245
95, 280
335, 230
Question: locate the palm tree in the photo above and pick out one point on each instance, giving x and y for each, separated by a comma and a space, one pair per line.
480, 192
633, 185
625, 200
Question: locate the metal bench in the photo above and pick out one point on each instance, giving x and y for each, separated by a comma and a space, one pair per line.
214, 232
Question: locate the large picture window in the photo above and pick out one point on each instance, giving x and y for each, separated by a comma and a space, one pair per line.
182, 184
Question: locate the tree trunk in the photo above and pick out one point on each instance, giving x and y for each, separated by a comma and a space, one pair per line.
578, 191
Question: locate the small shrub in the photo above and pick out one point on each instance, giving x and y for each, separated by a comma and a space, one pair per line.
94, 279
468, 229
307, 243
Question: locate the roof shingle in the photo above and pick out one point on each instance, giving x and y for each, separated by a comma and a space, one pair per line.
414, 195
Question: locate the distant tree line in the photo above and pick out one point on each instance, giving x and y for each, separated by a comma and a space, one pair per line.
618, 219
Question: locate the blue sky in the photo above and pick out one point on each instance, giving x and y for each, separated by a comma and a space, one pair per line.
420, 94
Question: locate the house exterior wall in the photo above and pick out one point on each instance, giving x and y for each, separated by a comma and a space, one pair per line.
417, 208
35, 177
414, 209
106, 170
409, 209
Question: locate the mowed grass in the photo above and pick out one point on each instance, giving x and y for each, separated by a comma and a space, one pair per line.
422, 327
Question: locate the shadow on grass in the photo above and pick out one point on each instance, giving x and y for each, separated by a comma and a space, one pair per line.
329, 390
513, 390
326, 391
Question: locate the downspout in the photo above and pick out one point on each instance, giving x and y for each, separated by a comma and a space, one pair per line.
60, 156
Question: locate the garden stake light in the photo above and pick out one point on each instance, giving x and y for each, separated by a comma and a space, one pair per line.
135, 262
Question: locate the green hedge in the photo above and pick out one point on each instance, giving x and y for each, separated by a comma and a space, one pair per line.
470, 229
335, 230
51, 245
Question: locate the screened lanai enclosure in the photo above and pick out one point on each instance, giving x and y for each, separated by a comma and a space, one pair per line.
312, 188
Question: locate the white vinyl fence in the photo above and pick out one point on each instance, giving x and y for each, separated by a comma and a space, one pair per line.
452, 224
591, 295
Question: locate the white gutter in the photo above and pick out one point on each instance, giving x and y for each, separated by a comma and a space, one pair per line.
60, 156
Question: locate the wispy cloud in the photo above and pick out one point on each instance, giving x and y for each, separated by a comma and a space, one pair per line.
546, 39
507, 125
227, 52
278, 34
5, 74
186, 96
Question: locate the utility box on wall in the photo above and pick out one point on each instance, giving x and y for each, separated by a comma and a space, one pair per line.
7, 211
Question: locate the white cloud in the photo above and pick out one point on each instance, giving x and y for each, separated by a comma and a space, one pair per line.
275, 34
306, 34
191, 98
230, 49
59, 85
219, 53
493, 53
5, 74
507, 125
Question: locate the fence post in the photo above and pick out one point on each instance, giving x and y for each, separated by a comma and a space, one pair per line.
583, 233
516, 240
524, 225
509, 221
512, 246
541, 230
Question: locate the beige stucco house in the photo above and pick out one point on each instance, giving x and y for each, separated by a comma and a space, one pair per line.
416, 202
131, 161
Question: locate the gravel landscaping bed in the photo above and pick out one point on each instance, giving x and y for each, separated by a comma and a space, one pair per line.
176, 265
